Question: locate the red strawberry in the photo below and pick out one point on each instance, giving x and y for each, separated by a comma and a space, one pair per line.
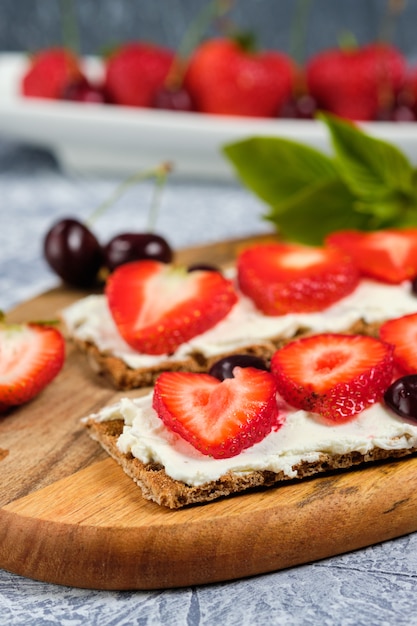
220, 419
50, 72
157, 307
223, 78
334, 375
402, 334
285, 278
31, 355
135, 72
356, 83
388, 255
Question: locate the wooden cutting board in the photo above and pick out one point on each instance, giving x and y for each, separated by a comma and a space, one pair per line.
69, 515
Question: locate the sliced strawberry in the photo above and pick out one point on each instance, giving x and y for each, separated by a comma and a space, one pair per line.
157, 306
402, 334
288, 278
334, 375
31, 355
388, 255
220, 419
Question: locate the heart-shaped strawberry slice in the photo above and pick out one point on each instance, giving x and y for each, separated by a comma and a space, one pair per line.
388, 255
334, 375
290, 278
219, 419
401, 333
157, 306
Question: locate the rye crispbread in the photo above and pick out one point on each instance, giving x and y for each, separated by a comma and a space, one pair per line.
158, 487
124, 378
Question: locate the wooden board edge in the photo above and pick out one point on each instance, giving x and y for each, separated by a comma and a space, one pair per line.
332, 517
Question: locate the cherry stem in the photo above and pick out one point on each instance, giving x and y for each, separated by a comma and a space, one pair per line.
159, 174
212, 10
298, 31
70, 34
389, 18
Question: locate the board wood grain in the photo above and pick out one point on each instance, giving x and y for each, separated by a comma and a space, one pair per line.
69, 515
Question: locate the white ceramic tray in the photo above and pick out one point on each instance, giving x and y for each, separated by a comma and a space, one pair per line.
104, 138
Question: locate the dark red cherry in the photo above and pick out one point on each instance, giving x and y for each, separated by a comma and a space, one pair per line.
73, 252
128, 247
414, 286
81, 90
172, 99
401, 396
303, 107
224, 367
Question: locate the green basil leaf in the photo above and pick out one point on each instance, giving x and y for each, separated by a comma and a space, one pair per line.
372, 168
317, 210
275, 168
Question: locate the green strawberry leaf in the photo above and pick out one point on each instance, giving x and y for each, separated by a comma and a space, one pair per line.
373, 169
317, 210
275, 169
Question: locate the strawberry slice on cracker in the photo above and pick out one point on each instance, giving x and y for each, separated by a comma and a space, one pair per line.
31, 355
402, 334
157, 307
220, 419
290, 278
334, 375
388, 255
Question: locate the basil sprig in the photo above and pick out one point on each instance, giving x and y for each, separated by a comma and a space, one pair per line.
366, 184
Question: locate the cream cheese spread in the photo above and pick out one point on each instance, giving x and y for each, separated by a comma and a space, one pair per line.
301, 437
89, 319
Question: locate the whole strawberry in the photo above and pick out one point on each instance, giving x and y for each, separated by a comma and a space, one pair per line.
226, 78
50, 72
135, 72
356, 83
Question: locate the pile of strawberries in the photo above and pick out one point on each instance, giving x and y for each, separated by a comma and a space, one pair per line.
222, 76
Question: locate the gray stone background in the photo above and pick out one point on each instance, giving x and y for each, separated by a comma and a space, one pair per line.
33, 24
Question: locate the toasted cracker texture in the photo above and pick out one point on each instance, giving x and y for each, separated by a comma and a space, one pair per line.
157, 486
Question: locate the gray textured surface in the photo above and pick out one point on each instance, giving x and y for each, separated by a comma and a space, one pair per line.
31, 24
371, 587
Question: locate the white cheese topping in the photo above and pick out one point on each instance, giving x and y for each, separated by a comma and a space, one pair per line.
301, 438
89, 319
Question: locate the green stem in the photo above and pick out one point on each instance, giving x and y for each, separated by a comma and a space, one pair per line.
212, 10
159, 173
70, 33
298, 31
389, 18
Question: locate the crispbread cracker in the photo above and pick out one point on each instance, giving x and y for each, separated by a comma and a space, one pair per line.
123, 377
157, 486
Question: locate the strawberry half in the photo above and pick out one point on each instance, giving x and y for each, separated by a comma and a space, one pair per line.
31, 355
388, 255
289, 278
157, 306
219, 419
402, 334
334, 375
